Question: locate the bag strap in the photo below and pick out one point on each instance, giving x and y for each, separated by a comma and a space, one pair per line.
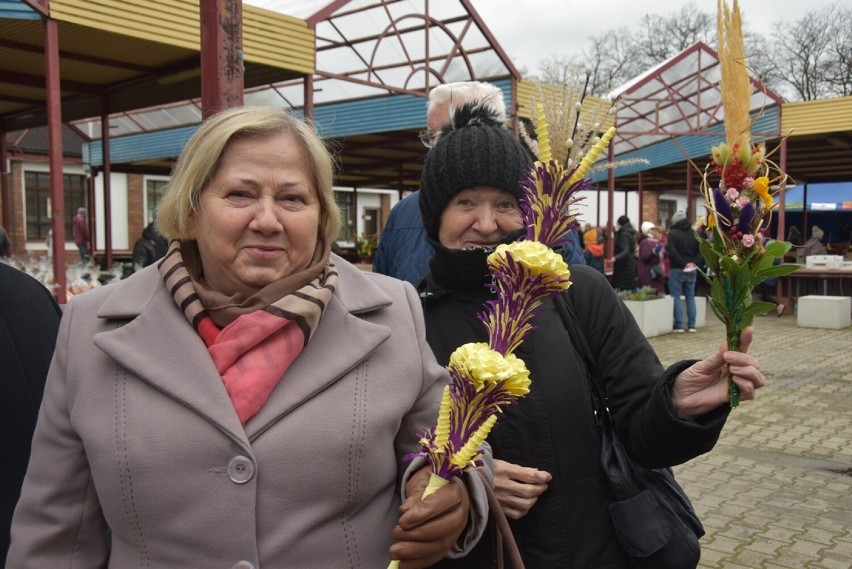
578, 338
505, 539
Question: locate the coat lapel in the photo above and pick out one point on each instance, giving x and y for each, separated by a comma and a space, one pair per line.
341, 342
160, 347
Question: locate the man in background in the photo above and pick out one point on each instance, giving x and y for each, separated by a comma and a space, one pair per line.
403, 251
81, 235
29, 322
685, 260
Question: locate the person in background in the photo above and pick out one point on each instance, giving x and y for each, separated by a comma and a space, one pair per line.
548, 476
29, 321
590, 235
624, 275
250, 400
793, 236
813, 246
81, 235
649, 268
685, 257
149, 248
594, 252
403, 251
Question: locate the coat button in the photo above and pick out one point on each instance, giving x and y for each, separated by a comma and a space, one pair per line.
240, 470
243, 565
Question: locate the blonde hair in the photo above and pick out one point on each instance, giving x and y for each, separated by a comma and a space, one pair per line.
200, 159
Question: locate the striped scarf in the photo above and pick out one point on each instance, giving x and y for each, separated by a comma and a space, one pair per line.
252, 340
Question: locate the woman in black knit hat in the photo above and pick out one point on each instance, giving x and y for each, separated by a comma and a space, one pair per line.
548, 477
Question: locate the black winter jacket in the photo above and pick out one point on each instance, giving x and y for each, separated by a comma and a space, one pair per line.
150, 248
682, 245
624, 271
552, 428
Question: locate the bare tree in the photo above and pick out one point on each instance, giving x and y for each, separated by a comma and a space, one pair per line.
839, 71
611, 60
661, 37
804, 52
807, 59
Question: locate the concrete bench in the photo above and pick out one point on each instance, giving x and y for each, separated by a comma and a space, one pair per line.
816, 311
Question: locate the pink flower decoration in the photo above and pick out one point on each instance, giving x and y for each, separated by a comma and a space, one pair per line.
742, 201
759, 236
748, 240
748, 182
732, 194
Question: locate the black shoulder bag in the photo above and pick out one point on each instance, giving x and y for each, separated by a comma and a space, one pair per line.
651, 514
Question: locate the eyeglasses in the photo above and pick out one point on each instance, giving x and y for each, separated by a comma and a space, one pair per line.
428, 138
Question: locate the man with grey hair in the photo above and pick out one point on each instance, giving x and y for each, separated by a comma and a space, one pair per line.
404, 252
81, 235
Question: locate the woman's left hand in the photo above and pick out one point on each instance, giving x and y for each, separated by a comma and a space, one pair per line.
704, 385
428, 528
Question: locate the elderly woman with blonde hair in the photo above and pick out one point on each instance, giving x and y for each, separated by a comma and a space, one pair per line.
249, 400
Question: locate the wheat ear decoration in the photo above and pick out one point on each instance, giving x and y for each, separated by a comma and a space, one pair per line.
736, 87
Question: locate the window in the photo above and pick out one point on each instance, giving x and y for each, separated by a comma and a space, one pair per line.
37, 191
154, 190
345, 203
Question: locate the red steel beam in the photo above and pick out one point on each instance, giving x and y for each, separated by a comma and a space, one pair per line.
221, 55
38, 6
54, 152
105, 139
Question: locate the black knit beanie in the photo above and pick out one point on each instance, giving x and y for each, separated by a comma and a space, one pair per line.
475, 149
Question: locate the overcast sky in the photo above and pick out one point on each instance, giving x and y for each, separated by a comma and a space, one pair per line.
531, 30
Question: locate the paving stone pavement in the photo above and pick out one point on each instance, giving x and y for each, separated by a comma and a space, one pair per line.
776, 491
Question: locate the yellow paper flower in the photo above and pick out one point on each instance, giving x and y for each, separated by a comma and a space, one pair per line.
518, 384
538, 258
481, 364
761, 187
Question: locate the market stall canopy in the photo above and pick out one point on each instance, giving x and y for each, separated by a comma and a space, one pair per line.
821, 197
129, 54
375, 63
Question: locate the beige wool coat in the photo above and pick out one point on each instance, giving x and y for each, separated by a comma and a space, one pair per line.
137, 439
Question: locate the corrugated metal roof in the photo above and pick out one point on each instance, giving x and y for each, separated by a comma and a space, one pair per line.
140, 147
678, 150
337, 120
133, 54
17, 10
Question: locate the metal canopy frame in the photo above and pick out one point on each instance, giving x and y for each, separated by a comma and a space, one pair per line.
365, 50
79, 81
680, 97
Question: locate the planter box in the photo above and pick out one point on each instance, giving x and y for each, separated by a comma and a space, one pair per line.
654, 317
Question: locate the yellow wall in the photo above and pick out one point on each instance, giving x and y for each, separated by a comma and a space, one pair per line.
268, 38
815, 117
